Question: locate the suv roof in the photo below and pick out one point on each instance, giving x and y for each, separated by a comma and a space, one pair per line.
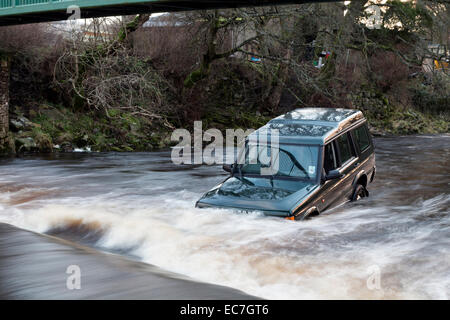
310, 125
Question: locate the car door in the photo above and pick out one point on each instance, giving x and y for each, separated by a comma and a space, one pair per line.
348, 162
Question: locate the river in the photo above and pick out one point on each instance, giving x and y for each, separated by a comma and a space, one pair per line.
393, 245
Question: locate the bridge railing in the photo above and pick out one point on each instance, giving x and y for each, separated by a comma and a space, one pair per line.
7, 4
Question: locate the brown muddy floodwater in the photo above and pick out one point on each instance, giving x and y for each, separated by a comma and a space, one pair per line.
140, 206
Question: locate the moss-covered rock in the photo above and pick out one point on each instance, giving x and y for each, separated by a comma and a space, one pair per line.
43, 140
27, 144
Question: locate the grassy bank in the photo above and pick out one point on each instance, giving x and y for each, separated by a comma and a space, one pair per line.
58, 129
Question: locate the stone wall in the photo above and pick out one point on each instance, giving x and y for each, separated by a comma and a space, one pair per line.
4, 99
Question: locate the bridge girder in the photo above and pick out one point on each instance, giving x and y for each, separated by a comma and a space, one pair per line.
58, 10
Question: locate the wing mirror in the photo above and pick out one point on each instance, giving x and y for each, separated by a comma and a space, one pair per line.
227, 167
333, 174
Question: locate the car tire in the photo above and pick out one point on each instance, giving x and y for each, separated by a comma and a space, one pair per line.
359, 192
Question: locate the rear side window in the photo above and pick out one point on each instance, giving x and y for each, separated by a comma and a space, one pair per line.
345, 149
362, 137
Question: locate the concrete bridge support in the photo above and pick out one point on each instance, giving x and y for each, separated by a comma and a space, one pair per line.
4, 99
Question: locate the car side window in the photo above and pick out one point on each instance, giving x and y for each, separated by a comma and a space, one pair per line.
345, 149
362, 137
330, 159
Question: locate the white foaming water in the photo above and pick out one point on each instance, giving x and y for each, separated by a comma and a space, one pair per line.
327, 257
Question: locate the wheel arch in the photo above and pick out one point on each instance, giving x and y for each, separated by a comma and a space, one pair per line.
360, 178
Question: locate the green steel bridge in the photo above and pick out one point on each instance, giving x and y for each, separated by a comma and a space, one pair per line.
30, 11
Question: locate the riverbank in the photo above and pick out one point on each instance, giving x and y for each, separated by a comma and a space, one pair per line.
33, 266
48, 128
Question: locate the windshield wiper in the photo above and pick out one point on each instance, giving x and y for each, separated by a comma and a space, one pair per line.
296, 163
244, 180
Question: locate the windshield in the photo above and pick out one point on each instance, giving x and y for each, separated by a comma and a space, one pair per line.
296, 161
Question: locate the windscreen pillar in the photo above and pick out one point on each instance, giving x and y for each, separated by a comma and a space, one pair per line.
4, 98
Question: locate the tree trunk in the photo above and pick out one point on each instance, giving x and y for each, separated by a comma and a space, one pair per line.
211, 51
273, 100
209, 56
132, 26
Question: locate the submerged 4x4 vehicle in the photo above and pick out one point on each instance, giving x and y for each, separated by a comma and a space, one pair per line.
325, 157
